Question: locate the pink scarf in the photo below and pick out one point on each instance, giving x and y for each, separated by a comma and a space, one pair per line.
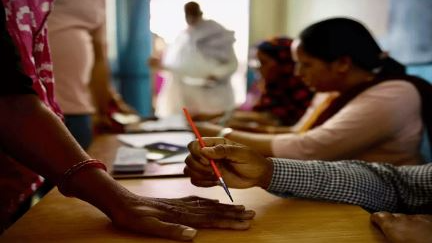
26, 24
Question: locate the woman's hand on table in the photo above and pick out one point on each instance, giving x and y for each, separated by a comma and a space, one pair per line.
167, 218
174, 218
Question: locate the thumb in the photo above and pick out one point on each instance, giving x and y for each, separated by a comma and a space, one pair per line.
220, 151
156, 227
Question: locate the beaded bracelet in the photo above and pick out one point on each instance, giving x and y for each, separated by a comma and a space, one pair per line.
74, 169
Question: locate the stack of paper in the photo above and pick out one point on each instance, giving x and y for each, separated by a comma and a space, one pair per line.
172, 123
142, 139
129, 160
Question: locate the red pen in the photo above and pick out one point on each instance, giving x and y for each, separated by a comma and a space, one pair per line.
202, 144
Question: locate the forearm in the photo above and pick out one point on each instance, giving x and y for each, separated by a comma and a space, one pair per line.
100, 86
100, 82
259, 128
282, 129
33, 135
38, 139
260, 142
376, 187
98, 188
335, 140
264, 118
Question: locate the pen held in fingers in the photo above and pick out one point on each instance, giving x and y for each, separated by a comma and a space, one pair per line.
202, 145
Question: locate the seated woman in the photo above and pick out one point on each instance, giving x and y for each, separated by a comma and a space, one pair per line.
377, 115
284, 98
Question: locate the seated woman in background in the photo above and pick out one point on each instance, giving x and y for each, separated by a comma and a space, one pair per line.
284, 98
376, 117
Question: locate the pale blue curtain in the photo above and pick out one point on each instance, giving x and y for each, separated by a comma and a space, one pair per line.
134, 48
409, 37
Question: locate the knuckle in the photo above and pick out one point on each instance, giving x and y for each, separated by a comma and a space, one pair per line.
221, 150
188, 160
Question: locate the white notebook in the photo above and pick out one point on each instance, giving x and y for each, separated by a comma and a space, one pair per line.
129, 160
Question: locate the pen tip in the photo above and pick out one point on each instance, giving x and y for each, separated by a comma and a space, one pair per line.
227, 192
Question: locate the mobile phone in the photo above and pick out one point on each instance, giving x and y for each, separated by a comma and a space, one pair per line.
160, 150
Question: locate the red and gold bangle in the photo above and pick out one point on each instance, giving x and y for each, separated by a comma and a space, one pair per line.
74, 169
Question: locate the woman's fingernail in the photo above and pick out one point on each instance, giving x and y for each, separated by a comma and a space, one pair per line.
189, 233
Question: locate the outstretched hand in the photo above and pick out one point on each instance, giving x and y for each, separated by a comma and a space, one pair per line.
167, 218
174, 218
240, 166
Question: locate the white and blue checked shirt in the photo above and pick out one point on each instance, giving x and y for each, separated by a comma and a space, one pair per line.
373, 186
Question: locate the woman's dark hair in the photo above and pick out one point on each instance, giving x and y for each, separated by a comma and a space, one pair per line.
278, 48
333, 38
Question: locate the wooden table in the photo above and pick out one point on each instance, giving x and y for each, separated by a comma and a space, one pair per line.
60, 219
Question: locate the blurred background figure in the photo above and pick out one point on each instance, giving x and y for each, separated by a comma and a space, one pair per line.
158, 48
277, 98
77, 37
200, 64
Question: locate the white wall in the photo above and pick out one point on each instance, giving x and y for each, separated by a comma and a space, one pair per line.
268, 19
288, 17
372, 13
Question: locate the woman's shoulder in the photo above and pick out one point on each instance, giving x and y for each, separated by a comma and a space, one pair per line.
395, 101
393, 86
391, 93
